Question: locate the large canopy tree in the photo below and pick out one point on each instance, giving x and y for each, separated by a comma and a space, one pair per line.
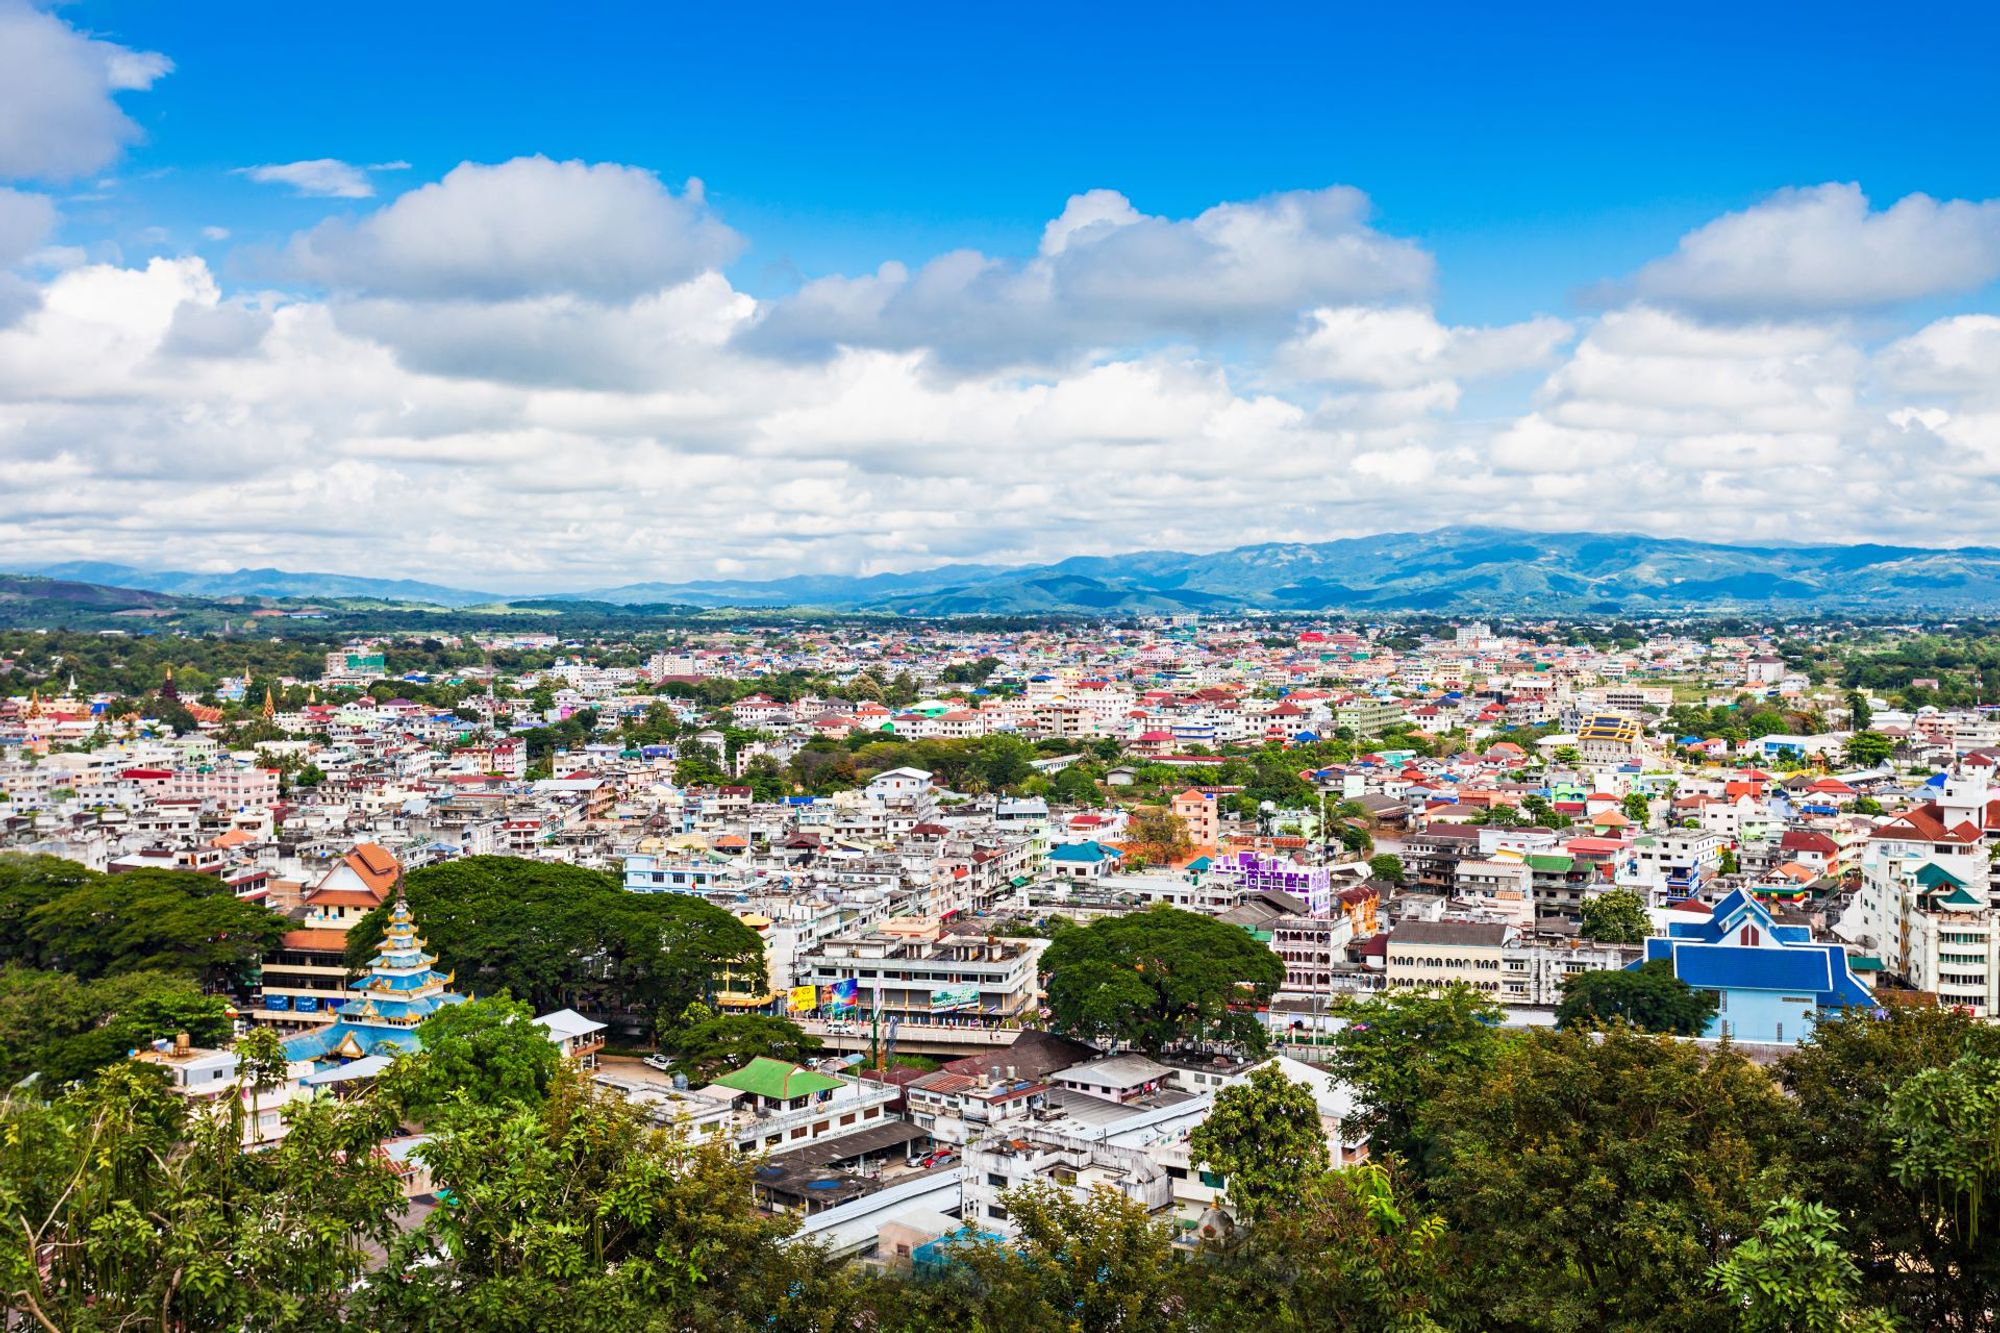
1160, 978
557, 936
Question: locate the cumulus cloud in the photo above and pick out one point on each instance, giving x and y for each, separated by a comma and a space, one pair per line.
1400, 347
1109, 275
315, 178
524, 228
1823, 250
58, 115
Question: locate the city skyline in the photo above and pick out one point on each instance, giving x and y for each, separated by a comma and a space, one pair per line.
911, 297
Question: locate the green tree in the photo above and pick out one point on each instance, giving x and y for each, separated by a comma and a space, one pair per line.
1159, 836
1265, 1136
1847, 1151
1398, 1049
126, 1207
1859, 714
485, 1052
706, 1045
1160, 978
1868, 749
559, 936
1649, 997
1617, 916
579, 1214
1094, 1260
1387, 867
1577, 1201
1794, 1277
1636, 807
62, 1028
146, 920
1353, 1252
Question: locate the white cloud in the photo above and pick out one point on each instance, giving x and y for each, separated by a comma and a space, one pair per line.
316, 178
1401, 346
1822, 249
58, 116
527, 227
1108, 275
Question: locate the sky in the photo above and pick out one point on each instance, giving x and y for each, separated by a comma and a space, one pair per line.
513, 298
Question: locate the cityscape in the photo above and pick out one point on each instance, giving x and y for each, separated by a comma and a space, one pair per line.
1232, 699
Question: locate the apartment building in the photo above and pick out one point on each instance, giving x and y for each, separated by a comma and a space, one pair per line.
1435, 954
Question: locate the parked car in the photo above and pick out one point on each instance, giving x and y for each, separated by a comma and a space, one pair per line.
942, 1157
659, 1062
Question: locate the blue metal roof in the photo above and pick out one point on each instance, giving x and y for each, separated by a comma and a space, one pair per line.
1734, 967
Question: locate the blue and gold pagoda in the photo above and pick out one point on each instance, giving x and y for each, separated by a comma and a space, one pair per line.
400, 990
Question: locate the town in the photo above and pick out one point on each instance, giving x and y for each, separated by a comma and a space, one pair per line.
1710, 834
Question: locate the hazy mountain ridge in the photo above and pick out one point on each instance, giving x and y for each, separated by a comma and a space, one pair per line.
1466, 569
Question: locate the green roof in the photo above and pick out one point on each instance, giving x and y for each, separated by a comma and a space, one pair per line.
1864, 962
1550, 861
778, 1079
1934, 876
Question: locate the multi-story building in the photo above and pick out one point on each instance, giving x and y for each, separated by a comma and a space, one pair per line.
931, 976
1435, 954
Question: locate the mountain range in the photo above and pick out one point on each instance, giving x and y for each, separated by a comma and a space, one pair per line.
1449, 570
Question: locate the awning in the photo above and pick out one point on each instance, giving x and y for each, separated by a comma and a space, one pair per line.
863, 1143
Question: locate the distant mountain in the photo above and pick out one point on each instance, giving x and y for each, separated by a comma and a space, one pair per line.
1458, 570
802, 589
30, 601
1450, 570
260, 583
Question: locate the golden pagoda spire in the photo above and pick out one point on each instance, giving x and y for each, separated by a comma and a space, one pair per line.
35, 702
270, 707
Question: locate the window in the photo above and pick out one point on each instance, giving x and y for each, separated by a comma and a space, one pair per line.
1213, 1180
996, 1212
996, 1180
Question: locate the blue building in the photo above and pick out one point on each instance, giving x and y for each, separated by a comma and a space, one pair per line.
400, 990
1771, 981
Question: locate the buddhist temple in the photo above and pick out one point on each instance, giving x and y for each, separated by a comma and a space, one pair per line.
400, 990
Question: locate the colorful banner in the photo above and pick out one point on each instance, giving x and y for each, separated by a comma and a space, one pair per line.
846, 994
964, 996
804, 999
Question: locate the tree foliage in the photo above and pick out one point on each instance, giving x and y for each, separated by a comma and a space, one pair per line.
1399, 1049
1794, 1277
1649, 997
488, 1052
62, 1028
1617, 916
706, 1045
1590, 1180
57, 915
1160, 978
1264, 1136
558, 936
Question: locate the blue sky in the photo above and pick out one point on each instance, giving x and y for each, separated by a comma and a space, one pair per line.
1532, 153
1499, 320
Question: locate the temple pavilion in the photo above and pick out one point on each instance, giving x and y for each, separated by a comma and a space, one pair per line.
400, 990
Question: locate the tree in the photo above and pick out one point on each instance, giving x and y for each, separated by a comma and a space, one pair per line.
1848, 1152
559, 936
1159, 836
1355, 1251
1859, 714
1399, 1048
707, 1045
1615, 917
1649, 997
486, 1052
1794, 1277
1576, 1199
580, 1214
1093, 1260
124, 1206
62, 1028
1386, 867
1636, 807
1869, 749
1160, 978
92, 925
1265, 1136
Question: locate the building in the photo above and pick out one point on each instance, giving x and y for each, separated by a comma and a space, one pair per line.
1077, 1166
778, 1105
930, 976
398, 992
1770, 981
1436, 954
577, 1037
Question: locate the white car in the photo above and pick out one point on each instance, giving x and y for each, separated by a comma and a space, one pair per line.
659, 1062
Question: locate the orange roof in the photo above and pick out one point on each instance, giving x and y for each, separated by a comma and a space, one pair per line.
313, 939
376, 866
235, 837
345, 898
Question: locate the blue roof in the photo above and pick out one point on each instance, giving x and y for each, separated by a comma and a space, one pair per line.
1086, 853
1736, 967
